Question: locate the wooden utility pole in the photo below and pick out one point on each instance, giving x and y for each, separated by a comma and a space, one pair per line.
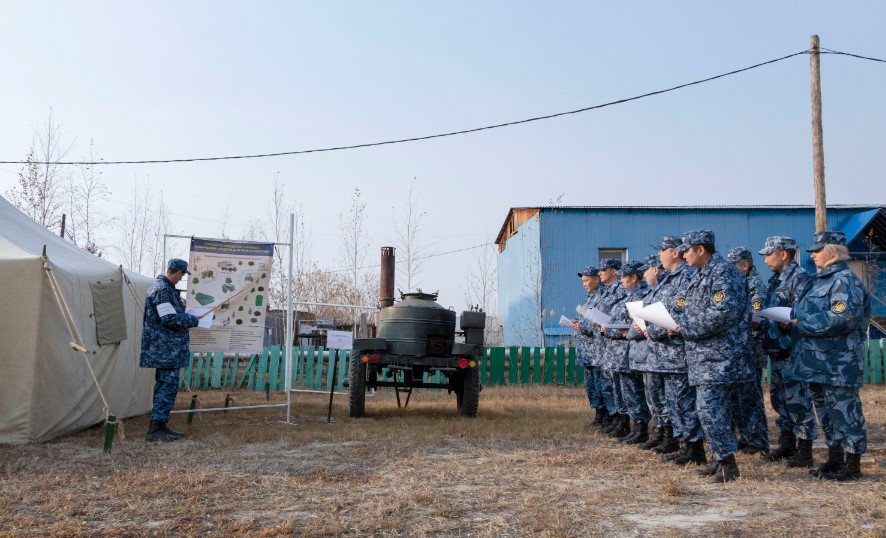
821, 211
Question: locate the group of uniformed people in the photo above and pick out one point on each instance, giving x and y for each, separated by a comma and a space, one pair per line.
702, 380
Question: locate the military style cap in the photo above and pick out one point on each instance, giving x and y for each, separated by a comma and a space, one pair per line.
668, 241
176, 264
695, 237
653, 261
610, 263
738, 253
632, 268
778, 242
589, 271
829, 237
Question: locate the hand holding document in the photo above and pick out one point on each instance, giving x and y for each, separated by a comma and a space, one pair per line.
207, 316
634, 307
598, 317
565, 322
782, 314
658, 314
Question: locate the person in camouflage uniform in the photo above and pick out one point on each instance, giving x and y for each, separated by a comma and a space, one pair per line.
830, 320
790, 399
716, 324
618, 353
667, 356
610, 293
748, 409
165, 343
590, 280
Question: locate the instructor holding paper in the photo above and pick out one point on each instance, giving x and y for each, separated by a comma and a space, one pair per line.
165, 343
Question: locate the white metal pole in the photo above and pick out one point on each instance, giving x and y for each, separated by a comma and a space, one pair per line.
288, 343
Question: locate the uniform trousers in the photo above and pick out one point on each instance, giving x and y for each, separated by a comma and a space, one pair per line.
165, 391
792, 400
654, 385
680, 397
842, 420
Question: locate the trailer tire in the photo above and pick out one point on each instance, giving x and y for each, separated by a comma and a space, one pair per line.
468, 396
356, 388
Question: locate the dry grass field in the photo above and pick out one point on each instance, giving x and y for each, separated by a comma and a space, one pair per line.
528, 465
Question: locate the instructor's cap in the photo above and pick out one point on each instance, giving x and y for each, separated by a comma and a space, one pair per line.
820, 239
632, 268
609, 263
738, 253
589, 271
653, 261
668, 241
176, 264
696, 237
778, 242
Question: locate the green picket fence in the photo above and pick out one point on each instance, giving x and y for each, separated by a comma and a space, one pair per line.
499, 366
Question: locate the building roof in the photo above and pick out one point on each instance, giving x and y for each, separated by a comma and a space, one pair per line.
874, 220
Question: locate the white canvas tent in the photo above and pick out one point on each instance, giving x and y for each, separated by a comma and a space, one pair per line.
47, 389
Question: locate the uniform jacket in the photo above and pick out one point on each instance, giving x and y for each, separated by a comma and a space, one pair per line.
585, 342
833, 313
667, 353
783, 290
757, 296
716, 324
638, 346
165, 339
617, 346
609, 296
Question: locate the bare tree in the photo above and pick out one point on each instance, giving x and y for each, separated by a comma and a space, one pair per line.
223, 233
279, 233
39, 191
408, 227
354, 246
85, 195
141, 230
481, 292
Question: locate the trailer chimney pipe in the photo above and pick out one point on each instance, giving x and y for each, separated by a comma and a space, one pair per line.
386, 291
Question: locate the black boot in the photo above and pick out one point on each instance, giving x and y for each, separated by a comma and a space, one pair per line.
710, 469
850, 471
623, 428
836, 462
599, 415
695, 454
607, 421
165, 428
803, 457
639, 434
614, 423
669, 445
655, 440
156, 433
787, 447
681, 452
727, 470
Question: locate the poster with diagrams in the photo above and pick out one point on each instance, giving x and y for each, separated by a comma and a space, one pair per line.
231, 278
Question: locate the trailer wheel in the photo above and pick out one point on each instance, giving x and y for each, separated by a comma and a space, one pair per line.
468, 395
356, 388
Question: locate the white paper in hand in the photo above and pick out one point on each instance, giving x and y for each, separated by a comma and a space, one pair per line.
634, 307
597, 316
781, 314
206, 321
565, 322
580, 310
658, 314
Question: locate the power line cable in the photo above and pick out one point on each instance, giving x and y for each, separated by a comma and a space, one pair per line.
428, 137
435, 255
831, 51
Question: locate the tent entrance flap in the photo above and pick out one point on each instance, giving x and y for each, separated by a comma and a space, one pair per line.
109, 311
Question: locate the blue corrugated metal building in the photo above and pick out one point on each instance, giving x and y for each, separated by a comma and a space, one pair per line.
542, 248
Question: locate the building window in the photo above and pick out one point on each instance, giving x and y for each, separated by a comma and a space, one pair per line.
620, 254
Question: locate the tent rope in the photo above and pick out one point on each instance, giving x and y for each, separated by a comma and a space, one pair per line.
77, 343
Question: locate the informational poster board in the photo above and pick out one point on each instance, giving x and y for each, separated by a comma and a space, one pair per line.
339, 339
232, 278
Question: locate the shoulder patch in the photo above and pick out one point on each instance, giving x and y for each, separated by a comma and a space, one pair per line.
681, 302
756, 306
718, 297
839, 307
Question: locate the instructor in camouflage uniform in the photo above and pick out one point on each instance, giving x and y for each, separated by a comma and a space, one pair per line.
590, 281
165, 345
830, 320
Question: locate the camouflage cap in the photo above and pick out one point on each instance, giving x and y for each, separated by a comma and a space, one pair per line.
609, 263
589, 271
177, 264
778, 242
696, 237
829, 237
632, 268
738, 254
653, 261
668, 241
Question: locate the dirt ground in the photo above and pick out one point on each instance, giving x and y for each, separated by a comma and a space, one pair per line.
528, 465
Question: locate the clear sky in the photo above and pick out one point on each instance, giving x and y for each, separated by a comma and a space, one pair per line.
166, 80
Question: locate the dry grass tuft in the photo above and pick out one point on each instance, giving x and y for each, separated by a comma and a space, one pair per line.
528, 465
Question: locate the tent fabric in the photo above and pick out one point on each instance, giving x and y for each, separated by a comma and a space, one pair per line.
47, 390
110, 311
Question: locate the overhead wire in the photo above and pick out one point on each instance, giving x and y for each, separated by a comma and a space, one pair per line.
429, 137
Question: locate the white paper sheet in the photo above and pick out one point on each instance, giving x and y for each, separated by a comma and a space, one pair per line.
598, 317
777, 313
565, 322
634, 307
164, 309
581, 310
205, 321
616, 326
658, 314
